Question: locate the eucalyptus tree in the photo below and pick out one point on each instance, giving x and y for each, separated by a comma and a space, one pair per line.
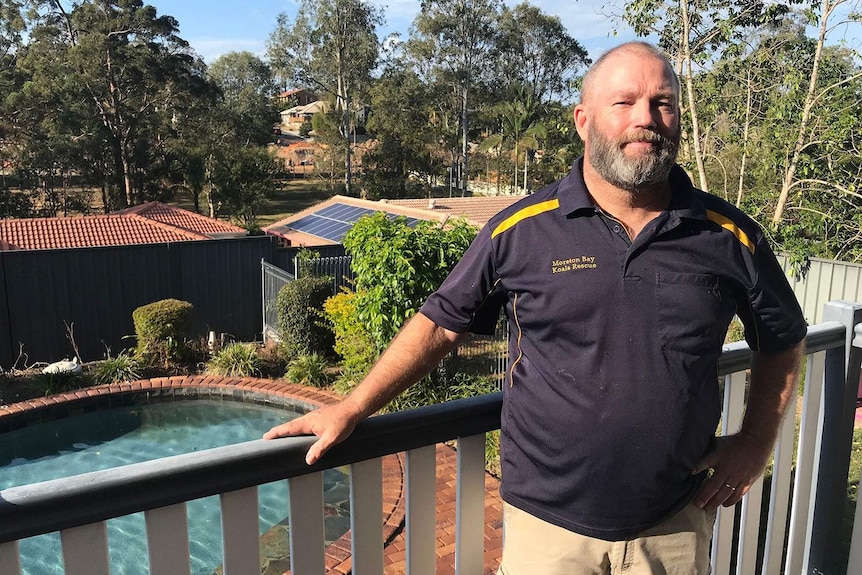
401, 106
12, 25
755, 104
816, 96
130, 63
332, 47
695, 33
534, 49
452, 43
247, 91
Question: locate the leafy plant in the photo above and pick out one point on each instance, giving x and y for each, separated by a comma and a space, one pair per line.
162, 328
301, 328
236, 360
308, 369
61, 382
304, 259
120, 368
397, 267
735, 332
440, 386
352, 341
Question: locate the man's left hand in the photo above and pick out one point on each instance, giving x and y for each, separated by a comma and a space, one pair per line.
737, 462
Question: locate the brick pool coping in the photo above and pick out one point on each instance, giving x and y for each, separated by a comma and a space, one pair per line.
280, 394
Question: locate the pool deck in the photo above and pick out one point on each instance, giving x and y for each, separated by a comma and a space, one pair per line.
338, 554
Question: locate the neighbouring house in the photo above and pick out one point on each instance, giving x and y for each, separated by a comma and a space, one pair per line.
326, 223
297, 155
149, 223
293, 118
298, 97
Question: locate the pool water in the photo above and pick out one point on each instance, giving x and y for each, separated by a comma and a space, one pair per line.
115, 437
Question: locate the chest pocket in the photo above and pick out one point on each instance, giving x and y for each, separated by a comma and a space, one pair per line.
689, 311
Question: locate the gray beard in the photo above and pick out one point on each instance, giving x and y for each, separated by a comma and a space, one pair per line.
633, 175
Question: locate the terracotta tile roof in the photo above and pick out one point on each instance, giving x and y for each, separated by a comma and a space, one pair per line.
183, 219
146, 224
477, 210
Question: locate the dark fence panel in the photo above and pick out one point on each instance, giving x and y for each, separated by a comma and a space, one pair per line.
222, 280
96, 289
6, 340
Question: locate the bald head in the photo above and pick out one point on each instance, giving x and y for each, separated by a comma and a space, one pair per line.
637, 49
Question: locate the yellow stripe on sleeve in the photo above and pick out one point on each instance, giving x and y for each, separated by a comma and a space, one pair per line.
525, 213
731, 227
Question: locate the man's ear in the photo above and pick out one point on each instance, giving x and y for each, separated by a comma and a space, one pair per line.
581, 120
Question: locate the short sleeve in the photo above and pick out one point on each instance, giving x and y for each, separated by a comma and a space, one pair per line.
471, 297
774, 320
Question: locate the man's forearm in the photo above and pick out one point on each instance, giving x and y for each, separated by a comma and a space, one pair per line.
416, 351
774, 380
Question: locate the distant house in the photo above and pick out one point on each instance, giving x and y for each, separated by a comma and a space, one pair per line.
300, 97
149, 223
293, 118
326, 223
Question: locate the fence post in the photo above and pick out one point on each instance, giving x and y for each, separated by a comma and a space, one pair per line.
263, 300
837, 413
853, 374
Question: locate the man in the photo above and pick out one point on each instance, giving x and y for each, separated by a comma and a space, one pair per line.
619, 283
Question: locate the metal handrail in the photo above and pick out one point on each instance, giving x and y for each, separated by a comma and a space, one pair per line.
58, 504
49, 506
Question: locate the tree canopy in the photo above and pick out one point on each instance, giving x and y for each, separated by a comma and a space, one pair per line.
106, 95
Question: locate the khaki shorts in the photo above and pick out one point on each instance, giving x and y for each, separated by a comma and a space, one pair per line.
678, 546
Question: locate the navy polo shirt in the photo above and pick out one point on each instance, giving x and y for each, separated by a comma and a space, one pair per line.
612, 395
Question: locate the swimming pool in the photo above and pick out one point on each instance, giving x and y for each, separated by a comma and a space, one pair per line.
108, 438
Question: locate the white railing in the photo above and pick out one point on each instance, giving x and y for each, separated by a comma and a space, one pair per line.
805, 500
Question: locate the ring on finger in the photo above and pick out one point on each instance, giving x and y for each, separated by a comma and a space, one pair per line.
729, 486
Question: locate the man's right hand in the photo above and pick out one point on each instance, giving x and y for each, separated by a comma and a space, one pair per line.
331, 424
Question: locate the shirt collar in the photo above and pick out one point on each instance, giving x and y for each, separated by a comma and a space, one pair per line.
575, 200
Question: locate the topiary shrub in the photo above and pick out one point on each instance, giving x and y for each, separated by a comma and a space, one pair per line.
300, 318
305, 129
162, 328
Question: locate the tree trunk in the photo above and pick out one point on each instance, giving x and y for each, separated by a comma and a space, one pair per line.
347, 167
462, 181
689, 88
515, 170
790, 171
745, 132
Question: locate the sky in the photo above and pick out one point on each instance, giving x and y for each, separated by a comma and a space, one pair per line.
215, 27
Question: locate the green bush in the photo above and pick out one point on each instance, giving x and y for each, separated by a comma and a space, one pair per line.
54, 383
300, 317
397, 267
305, 129
162, 328
735, 331
236, 360
440, 386
352, 342
121, 368
308, 369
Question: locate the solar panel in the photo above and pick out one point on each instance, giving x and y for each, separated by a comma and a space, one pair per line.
335, 220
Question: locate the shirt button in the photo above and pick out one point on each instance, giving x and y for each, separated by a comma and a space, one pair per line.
617, 229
